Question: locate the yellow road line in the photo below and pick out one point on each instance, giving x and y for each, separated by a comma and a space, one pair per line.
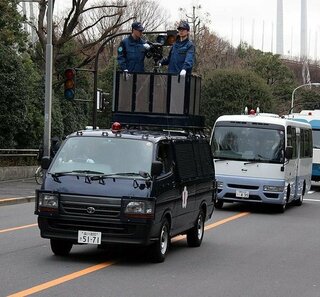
61, 280
216, 224
102, 265
18, 228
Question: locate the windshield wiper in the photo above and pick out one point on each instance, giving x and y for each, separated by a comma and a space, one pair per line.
253, 161
219, 160
87, 172
57, 174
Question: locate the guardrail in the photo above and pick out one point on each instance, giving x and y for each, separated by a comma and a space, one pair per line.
19, 152
18, 163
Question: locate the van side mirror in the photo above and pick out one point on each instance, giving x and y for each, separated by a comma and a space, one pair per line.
45, 162
289, 152
156, 168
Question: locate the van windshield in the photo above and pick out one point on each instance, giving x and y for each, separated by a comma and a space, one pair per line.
103, 155
248, 144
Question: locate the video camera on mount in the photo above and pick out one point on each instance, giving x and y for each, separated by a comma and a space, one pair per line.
156, 48
155, 52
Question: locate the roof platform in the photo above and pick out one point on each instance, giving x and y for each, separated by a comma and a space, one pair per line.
157, 100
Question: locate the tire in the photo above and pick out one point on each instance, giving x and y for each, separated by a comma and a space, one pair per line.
39, 175
218, 204
160, 248
60, 247
195, 235
280, 208
299, 201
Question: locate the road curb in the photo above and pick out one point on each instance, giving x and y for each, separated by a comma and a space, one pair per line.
16, 200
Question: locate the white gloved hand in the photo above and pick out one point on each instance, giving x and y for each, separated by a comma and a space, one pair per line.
126, 74
159, 64
183, 72
146, 46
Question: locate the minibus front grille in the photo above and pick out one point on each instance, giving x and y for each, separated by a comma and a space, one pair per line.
247, 187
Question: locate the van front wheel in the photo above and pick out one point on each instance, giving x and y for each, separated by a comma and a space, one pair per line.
60, 247
195, 235
160, 248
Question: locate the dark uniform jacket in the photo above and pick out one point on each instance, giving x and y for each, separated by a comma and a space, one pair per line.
181, 56
131, 54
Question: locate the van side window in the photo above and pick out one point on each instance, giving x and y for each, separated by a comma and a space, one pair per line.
165, 156
194, 160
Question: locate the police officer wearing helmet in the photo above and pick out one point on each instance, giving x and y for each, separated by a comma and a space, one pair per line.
181, 55
132, 50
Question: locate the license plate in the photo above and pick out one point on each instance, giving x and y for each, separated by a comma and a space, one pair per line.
242, 194
89, 237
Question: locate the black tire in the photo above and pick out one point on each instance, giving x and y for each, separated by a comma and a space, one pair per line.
280, 208
160, 248
299, 201
218, 204
195, 235
60, 247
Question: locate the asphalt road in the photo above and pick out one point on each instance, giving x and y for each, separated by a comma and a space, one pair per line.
247, 251
17, 191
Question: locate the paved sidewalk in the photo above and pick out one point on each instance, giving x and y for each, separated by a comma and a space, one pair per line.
17, 191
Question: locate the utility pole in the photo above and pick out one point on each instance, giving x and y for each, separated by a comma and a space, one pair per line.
48, 85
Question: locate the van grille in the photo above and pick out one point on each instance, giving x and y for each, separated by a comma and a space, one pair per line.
104, 227
91, 207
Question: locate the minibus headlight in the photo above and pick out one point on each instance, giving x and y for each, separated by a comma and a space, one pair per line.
48, 201
219, 184
268, 188
139, 208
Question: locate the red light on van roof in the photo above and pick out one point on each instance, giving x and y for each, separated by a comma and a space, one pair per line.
116, 127
309, 113
252, 112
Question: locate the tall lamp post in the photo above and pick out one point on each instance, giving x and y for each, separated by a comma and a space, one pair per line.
294, 91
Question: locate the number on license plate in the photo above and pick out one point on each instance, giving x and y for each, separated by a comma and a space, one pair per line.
89, 237
242, 194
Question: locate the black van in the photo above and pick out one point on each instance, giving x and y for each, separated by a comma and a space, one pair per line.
127, 186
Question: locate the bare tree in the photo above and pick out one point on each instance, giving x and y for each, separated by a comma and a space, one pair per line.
89, 25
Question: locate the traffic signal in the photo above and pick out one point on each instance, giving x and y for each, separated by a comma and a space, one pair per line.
169, 39
69, 84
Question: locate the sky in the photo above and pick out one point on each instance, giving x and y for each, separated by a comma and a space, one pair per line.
252, 21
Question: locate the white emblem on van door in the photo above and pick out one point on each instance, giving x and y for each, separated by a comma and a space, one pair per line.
184, 197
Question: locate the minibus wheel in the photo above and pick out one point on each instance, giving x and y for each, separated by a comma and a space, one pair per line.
218, 204
160, 248
281, 207
299, 201
195, 235
60, 247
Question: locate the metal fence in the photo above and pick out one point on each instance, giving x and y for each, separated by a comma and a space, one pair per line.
18, 153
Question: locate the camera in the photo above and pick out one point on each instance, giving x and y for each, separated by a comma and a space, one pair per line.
155, 52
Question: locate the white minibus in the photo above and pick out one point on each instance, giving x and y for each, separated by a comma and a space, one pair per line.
313, 118
261, 158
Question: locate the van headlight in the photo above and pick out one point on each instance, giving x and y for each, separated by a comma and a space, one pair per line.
273, 188
139, 208
48, 202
